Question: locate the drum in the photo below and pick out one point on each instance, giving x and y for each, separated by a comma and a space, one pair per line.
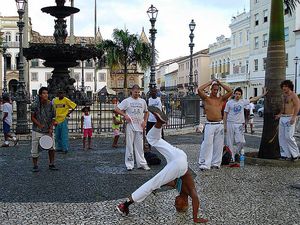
46, 142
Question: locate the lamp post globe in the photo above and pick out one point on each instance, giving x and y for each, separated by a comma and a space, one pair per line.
192, 26
21, 96
152, 13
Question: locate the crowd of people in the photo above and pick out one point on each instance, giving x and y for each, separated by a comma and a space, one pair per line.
226, 122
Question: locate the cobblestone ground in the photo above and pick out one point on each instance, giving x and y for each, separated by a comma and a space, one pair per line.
90, 184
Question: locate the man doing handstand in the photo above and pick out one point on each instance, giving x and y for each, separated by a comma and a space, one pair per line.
175, 173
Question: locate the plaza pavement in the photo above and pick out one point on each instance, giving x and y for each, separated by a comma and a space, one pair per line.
90, 184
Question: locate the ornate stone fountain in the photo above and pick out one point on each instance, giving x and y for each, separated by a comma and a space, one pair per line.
62, 56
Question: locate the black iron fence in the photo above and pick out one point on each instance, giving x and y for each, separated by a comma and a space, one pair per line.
102, 114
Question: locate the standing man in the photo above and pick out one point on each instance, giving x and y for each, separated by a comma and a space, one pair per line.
174, 174
212, 145
234, 121
135, 112
42, 117
156, 102
287, 122
63, 108
7, 113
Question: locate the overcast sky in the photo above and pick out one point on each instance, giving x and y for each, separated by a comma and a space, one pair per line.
212, 18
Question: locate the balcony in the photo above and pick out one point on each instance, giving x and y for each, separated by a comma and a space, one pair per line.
239, 77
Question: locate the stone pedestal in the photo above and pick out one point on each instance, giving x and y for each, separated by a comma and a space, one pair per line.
190, 107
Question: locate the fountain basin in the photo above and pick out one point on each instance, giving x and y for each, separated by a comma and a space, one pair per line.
60, 11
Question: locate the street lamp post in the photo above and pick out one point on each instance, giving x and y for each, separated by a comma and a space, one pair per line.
4, 47
82, 44
196, 79
192, 26
152, 13
296, 59
21, 98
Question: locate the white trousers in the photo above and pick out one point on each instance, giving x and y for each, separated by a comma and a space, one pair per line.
287, 142
176, 167
134, 141
211, 149
235, 133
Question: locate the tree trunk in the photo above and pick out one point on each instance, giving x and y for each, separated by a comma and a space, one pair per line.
274, 75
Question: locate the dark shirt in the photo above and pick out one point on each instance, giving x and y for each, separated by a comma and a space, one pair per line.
44, 113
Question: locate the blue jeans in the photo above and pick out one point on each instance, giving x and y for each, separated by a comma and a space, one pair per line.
62, 136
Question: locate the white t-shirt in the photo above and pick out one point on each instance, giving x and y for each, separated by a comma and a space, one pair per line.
135, 109
154, 102
87, 122
235, 110
7, 108
250, 107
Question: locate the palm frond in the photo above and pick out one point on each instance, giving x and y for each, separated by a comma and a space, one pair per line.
291, 5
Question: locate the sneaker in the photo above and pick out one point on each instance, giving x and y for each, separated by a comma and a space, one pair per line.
215, 167
15, 140
5, 145
158, 114
294, 159
146, 167
35, 169
129, 169
122, 209
52, 167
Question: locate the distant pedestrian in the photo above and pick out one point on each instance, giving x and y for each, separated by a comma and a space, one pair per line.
212, 146
134, 109
86, 127
250, 117
63, 108
42, 117
117, 122
7, 113
234, 121
287, 122
175, 174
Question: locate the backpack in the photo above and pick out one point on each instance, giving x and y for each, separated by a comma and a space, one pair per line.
152, 158
227, 155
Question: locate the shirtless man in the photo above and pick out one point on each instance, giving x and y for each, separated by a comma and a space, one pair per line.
174, 174
212, 145
287, 122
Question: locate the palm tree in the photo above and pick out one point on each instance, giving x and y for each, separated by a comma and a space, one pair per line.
275, 73
125, 50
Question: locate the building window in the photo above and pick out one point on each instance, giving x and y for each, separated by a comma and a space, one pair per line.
8, 37
233, 40
120, 83
286, 34
287, 60
265, 15
212, 68
265, 40
247, 36
89, 77
220, 66
247, 66
255, 64
17, 37
131, 82
256, 1
241, 38
48, 76
256, 19
102, 77
34, 76
89, 63
34, 63
256, 43
264, 63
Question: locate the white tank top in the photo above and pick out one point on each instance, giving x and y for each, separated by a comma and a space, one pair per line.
87, 121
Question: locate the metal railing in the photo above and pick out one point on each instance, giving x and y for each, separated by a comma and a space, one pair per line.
102, 114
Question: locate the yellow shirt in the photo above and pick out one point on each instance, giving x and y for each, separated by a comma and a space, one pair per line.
62, 108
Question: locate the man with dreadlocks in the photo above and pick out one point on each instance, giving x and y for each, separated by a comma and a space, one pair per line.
42, 116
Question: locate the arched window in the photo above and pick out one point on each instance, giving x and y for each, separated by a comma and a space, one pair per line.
8, 37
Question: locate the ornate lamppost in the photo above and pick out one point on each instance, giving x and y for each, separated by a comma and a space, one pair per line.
195, 79
296, 59
4, 48
82, 44
21, 97
152, 13
192, 26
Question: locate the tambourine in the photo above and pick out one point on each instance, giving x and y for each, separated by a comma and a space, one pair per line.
46, 142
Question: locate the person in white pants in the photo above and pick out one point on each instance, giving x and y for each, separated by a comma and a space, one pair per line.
175, 173
234, 121
287, 122
134, 109
212, 146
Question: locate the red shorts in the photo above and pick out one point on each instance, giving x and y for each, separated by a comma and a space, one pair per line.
87, 132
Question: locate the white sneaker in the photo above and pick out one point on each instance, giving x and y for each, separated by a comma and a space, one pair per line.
146, 167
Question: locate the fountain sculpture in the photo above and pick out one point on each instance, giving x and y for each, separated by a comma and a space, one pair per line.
62, 56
